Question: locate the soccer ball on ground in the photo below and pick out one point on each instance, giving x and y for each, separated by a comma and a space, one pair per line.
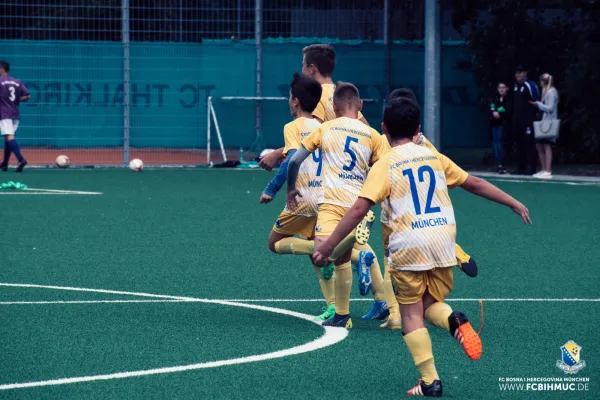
136, 165
62, 161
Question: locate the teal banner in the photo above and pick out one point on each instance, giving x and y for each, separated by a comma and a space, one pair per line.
77, 91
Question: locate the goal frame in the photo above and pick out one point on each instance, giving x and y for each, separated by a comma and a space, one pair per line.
211, 118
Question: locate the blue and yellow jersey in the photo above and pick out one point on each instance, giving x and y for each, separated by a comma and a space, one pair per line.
452, 172
421, 229
324, 110
309, 180
348, 149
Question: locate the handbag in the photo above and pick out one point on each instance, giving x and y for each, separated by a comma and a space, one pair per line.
546, 129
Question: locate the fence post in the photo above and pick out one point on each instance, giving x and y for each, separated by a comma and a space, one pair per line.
387, 42
433, 67
258, 37
126, 81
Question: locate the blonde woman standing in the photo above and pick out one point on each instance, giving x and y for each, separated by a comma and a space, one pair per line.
549, 108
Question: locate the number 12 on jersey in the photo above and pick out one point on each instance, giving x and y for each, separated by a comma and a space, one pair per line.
414, 192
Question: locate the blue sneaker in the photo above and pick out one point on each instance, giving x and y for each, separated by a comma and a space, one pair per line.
363, 269
378, 311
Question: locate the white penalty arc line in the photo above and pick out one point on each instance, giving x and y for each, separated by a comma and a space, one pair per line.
330, 337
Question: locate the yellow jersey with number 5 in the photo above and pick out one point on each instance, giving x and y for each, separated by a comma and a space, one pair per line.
348, 149
421, 225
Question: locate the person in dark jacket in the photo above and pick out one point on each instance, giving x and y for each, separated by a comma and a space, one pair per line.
498, 116
523, 115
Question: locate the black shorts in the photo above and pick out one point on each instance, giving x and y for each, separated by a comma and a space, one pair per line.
546, 141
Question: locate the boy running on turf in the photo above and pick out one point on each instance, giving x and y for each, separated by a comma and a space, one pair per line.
421, 236
348, 148
465, 262
305, 93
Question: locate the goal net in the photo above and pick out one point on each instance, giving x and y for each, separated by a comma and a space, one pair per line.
240, 128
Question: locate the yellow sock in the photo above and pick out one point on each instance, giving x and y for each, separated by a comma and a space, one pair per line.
388, 288
343, 287
419, 345
437, 314
294, 245
376, 276
327, 287
461, 256
345, 245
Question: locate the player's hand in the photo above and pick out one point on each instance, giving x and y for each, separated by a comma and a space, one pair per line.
523, 212
268, 161
292, 201
321, 259
418, 138
265, 198
496, 114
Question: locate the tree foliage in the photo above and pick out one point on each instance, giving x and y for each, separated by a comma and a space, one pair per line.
561, 41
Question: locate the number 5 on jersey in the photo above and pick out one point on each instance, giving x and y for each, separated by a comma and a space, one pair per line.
414, 192
348, 150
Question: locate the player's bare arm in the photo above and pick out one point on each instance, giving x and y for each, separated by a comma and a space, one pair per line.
269, 160
488, 191
293, 168
351, 219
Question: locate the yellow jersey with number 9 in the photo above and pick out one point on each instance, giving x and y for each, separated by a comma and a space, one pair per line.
309, 181
348, 149
421, 224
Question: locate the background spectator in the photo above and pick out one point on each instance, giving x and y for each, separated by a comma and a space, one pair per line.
524, 113
498, 115
549, 108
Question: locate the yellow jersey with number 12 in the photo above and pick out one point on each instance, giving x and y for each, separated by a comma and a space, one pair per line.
324, 110
421, 224
309, 180
348, 149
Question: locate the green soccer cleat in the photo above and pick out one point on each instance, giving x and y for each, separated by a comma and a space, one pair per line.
328, 313
327, 272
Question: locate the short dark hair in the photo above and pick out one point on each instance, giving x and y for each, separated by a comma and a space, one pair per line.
346, 96
307, 90
402, 93
402, 117
5, 65
322, 56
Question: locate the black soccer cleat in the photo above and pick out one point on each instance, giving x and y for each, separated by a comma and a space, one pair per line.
433, 390
22, 165
470, 267
340, 321
4, 166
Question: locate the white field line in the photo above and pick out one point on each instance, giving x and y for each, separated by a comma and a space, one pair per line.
329, 338
41, 302
11, 303
60, 191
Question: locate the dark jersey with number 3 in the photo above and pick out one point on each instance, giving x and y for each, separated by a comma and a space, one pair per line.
11, 91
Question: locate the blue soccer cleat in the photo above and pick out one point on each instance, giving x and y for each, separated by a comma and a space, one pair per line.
363, 268
378, 311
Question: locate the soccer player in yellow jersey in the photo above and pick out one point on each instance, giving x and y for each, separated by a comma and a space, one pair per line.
465, 262
318, 62
348, 148
305, 93
411, 181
